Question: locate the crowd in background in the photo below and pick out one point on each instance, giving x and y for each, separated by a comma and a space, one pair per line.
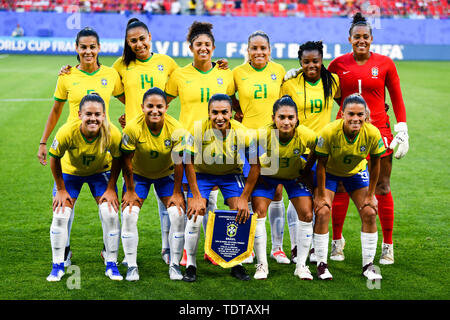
414, 9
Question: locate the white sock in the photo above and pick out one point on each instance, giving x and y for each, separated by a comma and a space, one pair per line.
69, 226
212, 205
276, 219
292, 219
130, 236
260, 245
304, 232
191, 237
369, 246
59, 233
111, 231
321, 247
313, 223
176, 235
164, 222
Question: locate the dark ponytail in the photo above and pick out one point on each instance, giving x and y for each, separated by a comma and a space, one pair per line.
128, 54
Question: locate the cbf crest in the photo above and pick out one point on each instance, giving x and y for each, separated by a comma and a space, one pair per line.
227, 241
167, 143
232, 228
104, 82
219, 81
160, 67
273, 76
362, 149
375, 72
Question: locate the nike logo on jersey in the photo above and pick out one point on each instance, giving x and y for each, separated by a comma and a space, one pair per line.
345, 72
189, 81
76, 83
244, 78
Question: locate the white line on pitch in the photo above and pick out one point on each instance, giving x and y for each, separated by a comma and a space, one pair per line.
25, 99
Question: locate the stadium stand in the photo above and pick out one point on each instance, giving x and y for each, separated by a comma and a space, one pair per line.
278, 8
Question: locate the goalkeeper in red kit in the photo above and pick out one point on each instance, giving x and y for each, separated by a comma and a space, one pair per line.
368, 73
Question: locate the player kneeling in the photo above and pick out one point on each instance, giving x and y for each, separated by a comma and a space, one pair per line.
342, 149
215, 147
86, 151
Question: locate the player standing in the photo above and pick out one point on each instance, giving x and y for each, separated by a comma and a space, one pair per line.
369, 73
215, 151
86, 152
89, 76
258, 83
196, 83
342, 149
150, 144
285, 143
313, 91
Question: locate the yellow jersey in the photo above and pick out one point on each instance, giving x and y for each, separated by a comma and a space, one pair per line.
195, 87
283, 160
74, 86
258, 89
153, 154
346, 158
141, 75
81, 157
216, 154
313, 111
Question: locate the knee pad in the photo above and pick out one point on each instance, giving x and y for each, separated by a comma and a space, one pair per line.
58, 228
176, 220
129, 219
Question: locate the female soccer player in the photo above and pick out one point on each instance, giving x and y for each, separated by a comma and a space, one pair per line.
150, 142
197, 82
141, 69
216, 146
258, 83
86, 151
89, 76
369, 73
282, 163
313, 91
342, 149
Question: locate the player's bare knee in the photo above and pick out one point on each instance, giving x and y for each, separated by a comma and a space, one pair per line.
368, 215
306, 216
383, 187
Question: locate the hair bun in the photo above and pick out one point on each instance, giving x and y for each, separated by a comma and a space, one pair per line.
132, 20
358, 17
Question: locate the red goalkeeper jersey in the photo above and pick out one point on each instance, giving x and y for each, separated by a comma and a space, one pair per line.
370, 81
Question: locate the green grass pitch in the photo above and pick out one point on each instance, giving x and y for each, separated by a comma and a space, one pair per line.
419, 185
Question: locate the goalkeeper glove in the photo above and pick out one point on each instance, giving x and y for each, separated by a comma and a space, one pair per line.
400, 140
292, 73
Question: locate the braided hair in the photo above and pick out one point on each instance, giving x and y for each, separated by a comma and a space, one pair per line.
328, 80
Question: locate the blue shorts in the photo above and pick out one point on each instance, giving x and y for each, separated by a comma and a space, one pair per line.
97, 184
230, 185
267, 186
355, 182
163, 186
